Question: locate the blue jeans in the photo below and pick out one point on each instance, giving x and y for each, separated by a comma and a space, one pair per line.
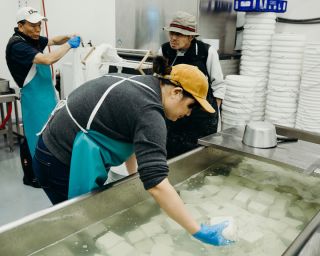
52, 174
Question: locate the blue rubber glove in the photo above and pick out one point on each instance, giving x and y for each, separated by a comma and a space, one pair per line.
74, 42
213, 234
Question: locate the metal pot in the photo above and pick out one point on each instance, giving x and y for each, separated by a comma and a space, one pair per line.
262, 134
4, 86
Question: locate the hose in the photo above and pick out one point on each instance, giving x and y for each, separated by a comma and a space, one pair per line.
5, 120
47, 33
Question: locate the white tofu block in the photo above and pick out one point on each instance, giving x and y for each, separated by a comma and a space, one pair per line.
214, 180
158, 218
256, 207
122, 249
277, 213
163, 239
183, 253
229, 232
151, 229
234, 209
161, 250
107, 241
252, 237
276, 226
144, 246
195, 213
217, 200
172, 226
208, 207
272, 245
135, 236
296, 213
227, 193
190, 196
289, 235
297, 224
265, 198
281, 203
243, 198
232, 180
209, 190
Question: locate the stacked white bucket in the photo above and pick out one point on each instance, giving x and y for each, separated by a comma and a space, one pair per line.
239, 100
256, 48
308, 114
284, 78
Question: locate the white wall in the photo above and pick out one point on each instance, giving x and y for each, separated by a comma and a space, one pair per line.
301, 9
94, 20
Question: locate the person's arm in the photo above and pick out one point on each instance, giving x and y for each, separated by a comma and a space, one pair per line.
168, 199
59, 40
54, 56
131, 164
215, 72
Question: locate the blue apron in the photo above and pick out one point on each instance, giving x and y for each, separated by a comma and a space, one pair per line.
94, 153
38, 99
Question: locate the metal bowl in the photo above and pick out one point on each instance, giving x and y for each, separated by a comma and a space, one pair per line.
260, 134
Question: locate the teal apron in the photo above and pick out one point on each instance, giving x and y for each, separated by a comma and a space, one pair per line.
38, 99
94, 153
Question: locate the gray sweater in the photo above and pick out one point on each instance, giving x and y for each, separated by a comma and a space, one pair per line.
130, 113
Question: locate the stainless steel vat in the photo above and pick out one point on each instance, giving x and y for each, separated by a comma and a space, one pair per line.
44, 228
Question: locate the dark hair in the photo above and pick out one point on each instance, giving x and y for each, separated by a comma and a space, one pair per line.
22, 22
161, 68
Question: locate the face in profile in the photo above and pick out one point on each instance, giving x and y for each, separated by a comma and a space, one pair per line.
176, 105
30, 29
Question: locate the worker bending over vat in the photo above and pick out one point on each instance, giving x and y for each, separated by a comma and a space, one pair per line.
106, 120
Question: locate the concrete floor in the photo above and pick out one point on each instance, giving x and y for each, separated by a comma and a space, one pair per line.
16, 199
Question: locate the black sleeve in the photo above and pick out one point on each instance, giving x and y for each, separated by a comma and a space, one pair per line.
43, 43
150, 146
23, 53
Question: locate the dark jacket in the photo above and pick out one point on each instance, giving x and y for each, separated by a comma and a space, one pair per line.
184, 133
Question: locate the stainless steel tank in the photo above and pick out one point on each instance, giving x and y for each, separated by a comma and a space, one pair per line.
43, 232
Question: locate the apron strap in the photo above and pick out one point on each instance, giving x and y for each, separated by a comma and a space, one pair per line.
74, 120
96, 108
60, 104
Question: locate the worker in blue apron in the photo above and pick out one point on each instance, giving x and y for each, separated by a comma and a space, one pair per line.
38, 99
92, 153
97, 151
30, 68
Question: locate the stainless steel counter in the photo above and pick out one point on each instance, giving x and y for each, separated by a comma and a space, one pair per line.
302, 154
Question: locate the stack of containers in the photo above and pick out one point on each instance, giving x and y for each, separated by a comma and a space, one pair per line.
308, 114
239, 100
256, 48
284, 78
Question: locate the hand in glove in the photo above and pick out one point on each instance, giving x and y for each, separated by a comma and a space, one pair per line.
213, 234
74, 42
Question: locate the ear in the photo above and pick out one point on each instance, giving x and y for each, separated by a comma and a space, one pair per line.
177, 91
191, 38
20, 26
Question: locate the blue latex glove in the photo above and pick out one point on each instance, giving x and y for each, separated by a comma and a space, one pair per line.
213, 234
74, 42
